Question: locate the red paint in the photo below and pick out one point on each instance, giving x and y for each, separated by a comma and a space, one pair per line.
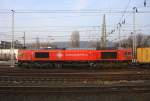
74, 55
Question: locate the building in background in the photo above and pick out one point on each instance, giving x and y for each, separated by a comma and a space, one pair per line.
75, 39
7, 45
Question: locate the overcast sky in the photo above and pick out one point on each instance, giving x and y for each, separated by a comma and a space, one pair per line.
43, 25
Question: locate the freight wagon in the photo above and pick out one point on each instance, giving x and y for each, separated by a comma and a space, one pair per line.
143, 55
5, 54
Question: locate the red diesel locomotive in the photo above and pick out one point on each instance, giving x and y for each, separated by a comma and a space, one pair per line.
56, 58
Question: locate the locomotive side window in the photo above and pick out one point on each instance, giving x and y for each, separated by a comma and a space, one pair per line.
41, 54
109, 55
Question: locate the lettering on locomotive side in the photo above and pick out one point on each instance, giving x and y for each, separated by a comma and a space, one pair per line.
60, 55
76, 54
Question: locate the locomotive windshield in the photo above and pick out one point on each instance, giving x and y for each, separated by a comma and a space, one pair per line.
41, 54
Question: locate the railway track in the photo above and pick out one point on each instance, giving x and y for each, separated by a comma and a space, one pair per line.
53, 90
51, 81
67, 79
21, 74
103, 75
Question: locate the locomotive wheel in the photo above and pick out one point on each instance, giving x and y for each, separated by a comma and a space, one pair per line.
19, 64
47, 65
30, 66
25, 65
58, 65
93, 65
36, 65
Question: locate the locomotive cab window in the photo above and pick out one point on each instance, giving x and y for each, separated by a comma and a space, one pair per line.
109, 55
41, 54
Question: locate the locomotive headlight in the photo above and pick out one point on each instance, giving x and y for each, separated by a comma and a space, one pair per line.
20, 54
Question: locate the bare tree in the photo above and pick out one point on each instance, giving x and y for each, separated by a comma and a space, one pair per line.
141, 41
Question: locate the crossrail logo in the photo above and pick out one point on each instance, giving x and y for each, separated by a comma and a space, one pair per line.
59, 55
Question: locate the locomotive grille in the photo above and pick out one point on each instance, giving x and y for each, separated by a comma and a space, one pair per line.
41, 54
109, 55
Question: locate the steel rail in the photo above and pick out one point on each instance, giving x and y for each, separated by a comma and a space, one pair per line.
115, 89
